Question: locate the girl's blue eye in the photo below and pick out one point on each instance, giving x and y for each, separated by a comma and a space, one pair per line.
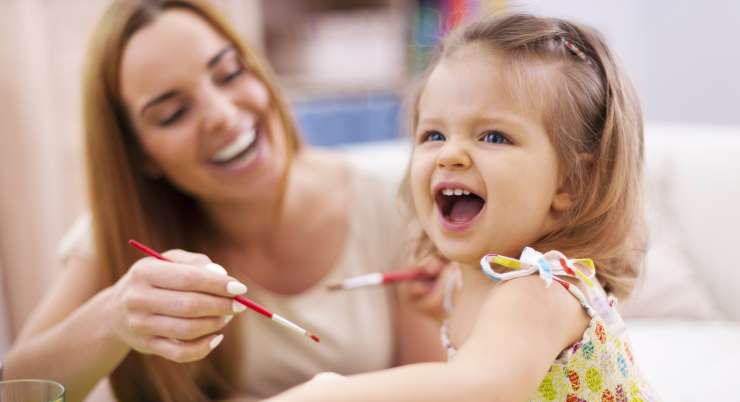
495, 137
433, 136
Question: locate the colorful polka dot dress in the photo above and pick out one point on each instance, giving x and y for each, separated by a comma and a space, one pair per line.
599, 367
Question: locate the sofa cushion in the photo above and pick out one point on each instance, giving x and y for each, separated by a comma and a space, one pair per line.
705, 174
669, 285
688, 360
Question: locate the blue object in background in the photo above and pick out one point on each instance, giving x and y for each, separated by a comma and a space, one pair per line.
351, 119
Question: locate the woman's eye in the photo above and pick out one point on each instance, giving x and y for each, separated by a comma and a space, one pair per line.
433, 136
232, 76
173, 117
495, 137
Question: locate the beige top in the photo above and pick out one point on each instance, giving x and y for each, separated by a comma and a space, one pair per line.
356, 327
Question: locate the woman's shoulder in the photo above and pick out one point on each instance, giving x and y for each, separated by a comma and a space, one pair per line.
76, 253
370, 201
77, 241
367, 188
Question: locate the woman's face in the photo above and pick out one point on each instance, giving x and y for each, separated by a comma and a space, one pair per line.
204, 120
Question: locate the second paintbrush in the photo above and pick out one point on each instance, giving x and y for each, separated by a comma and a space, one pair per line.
379, 278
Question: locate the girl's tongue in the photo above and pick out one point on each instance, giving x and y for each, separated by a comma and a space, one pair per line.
460, 208
465, 209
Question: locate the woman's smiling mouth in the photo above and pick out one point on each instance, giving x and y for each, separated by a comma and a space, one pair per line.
238, 147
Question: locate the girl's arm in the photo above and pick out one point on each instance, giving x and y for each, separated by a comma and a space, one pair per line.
521, 329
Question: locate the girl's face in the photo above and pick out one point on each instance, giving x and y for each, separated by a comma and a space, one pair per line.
203, 119
484, 173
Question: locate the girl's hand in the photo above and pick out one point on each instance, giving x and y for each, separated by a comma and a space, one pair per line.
174, 309
427, 295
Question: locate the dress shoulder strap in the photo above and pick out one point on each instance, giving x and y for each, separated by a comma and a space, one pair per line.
552, 267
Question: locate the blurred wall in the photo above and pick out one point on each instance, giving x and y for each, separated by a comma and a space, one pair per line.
4, 329
682, 55
41, 52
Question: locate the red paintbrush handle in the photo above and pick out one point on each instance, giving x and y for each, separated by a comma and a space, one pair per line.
241, 299
146, 250
254, 306
406, 276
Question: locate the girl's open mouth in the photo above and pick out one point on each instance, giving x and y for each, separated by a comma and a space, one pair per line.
458, 207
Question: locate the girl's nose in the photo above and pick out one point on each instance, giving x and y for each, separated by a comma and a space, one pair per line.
220, 111
453, 155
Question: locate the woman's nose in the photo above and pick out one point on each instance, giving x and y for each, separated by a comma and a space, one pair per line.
453, 155
220, 111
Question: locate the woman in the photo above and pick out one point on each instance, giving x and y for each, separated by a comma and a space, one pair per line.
190, 146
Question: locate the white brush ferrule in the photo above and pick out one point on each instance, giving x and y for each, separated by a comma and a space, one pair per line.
363, 280
282, 321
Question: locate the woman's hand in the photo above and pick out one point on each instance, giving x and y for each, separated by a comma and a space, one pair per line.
174, 309
427, 295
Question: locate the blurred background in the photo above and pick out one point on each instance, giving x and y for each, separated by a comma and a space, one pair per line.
343, 63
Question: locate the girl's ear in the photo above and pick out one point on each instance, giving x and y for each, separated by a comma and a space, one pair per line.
566, 195
563, 201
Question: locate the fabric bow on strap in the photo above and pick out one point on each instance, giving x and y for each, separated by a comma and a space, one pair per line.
549, 265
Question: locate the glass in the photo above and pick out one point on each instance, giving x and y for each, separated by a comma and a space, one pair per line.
31, 391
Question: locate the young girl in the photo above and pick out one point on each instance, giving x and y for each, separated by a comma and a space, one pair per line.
528, 136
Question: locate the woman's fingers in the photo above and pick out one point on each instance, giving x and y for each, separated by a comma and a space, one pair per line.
198, 260
184, 351
186, 257
183, 329
417, 289
427, 296
431, 302
434, 266
181, 304
175, 308
176, 276
420, 288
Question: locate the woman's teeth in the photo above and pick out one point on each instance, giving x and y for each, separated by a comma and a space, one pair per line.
234, 148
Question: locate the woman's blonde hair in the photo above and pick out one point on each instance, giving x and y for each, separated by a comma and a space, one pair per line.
126, 203
589, 107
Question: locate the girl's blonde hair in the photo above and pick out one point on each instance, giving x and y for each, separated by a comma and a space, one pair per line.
126, 203
592, 115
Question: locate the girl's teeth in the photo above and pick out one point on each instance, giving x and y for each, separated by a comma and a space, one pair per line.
455, 191
242, 142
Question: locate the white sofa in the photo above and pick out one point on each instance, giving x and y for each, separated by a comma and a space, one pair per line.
684, 318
